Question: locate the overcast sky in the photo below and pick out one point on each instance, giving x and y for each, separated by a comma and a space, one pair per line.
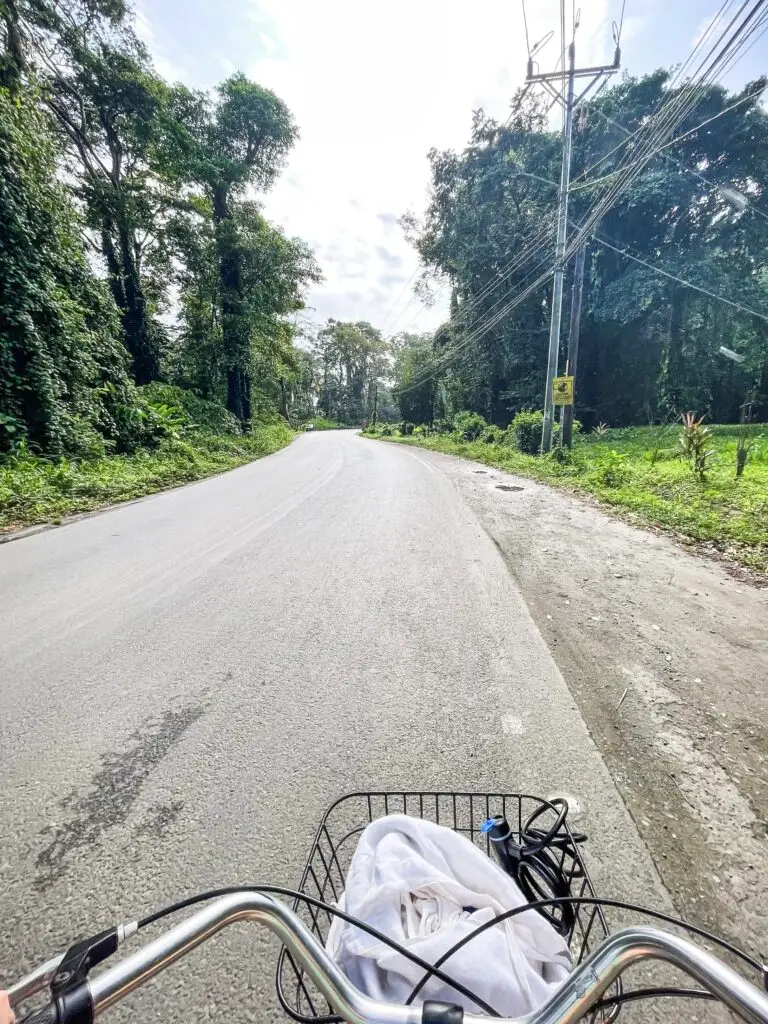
373, 85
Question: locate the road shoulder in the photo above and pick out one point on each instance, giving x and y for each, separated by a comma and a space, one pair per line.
665, 654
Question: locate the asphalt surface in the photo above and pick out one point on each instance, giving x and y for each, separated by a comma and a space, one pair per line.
186, 682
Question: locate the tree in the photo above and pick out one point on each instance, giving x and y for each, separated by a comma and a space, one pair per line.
415, 387
352, 366
111, 111
64, 385
241, 139
272, 273
647, 341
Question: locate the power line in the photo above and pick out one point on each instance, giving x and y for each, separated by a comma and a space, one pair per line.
525, 24
667, 156
400, 295
667, 115
681, 280
678, 138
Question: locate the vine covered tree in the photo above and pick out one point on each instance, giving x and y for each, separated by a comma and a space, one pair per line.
649, 344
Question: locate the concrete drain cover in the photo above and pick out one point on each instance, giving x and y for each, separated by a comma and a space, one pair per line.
508, 487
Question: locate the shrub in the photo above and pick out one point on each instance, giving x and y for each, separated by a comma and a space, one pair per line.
469, 425
210, 416
601, 430
526, 429
492, 435
405, 428
387, 430
611, 469
694, 438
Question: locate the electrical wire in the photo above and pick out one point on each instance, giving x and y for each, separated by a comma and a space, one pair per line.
626, 183
681, 280
399, 297
525, 24
541, 239
673, 105
668, 117
666, 145
668, 114
597, 208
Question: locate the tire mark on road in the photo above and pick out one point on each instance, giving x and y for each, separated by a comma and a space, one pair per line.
114, 790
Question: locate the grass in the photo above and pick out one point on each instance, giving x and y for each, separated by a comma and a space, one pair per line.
638, 471
36, 490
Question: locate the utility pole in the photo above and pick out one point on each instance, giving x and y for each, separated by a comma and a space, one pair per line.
566, 96
566, 430
562, 230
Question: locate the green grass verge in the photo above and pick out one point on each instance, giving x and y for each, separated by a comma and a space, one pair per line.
638, 471
36, 490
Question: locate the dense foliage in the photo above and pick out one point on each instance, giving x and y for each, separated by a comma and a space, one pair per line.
63, 373
132, 250
649, 344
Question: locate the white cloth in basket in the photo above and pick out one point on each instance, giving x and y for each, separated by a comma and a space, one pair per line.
426, 887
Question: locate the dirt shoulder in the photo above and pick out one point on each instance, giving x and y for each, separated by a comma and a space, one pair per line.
667, 656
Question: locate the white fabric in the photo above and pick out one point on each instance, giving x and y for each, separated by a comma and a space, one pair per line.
426, 887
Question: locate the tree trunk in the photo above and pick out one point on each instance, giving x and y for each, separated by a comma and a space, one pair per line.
674, 391
283, 399
138, 335
125, 285
234, 323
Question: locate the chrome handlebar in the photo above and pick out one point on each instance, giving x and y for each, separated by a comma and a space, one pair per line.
578, 994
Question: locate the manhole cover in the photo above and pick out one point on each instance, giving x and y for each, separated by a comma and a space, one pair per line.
508, 487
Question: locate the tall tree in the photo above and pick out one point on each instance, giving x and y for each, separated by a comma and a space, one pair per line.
647, 341
272, 272
109, 106
352, 366
63, 374
240, 140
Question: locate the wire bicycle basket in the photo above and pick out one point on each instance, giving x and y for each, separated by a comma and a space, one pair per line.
334, 844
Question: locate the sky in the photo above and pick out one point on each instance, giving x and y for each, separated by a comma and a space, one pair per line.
373, 86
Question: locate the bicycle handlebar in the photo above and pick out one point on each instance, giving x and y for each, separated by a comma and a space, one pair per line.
578, 994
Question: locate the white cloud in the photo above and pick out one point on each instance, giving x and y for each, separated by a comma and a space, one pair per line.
373, 88
146, 33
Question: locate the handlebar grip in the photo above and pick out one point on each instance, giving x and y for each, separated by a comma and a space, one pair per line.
48, 1014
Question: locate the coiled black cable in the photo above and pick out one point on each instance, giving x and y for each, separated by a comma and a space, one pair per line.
543, 862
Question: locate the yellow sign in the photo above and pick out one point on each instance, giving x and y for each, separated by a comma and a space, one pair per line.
562, 391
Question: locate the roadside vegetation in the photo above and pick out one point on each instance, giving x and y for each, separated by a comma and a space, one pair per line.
184, 439
674, 314
648, 473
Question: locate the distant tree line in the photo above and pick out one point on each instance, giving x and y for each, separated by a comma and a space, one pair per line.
649, 344
131, 250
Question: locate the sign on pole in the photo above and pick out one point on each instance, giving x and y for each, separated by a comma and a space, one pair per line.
562, 391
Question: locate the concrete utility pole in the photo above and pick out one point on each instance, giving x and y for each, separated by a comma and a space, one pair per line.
566, 430
566, 96
562, 233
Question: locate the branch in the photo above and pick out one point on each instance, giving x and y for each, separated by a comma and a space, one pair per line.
86, 151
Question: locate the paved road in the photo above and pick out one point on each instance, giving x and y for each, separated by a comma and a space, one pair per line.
187, 681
